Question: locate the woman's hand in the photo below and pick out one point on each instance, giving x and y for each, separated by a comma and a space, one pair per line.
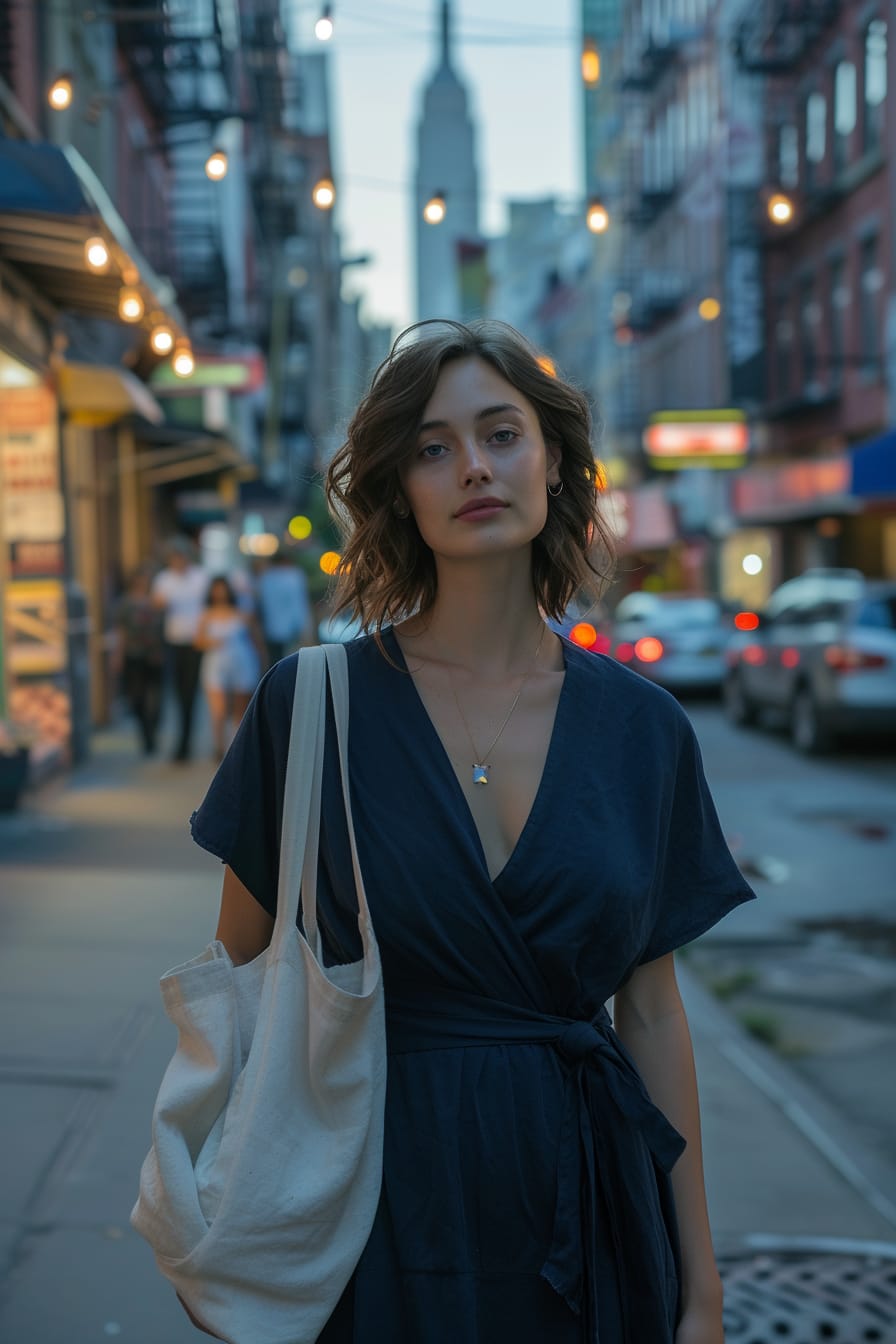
700, 1325
198, 1324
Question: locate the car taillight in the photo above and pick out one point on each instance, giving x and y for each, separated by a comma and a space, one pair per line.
754, 654
649, 650
625, 652
844, 658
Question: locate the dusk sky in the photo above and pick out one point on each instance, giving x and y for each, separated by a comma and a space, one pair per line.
520, 62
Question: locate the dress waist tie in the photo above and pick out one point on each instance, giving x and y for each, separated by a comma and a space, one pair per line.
600, 1162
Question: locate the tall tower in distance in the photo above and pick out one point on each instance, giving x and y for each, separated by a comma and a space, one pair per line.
446, 165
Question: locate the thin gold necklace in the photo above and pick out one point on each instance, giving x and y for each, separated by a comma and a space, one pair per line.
481, 766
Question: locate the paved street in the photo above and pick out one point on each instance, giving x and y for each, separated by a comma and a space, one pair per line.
102, 890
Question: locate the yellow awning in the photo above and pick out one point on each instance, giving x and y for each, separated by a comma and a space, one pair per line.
100, 394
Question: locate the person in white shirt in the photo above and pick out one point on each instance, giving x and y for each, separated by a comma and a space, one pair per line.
284, 608
179, 590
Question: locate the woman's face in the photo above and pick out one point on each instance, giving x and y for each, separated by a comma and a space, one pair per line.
479, 440
219, 595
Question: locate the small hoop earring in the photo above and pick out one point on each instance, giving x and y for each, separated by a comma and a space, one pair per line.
556, 490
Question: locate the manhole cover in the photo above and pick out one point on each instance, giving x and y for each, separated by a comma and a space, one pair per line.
803, 1298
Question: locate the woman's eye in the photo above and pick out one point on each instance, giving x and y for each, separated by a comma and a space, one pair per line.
432, 450
505, 435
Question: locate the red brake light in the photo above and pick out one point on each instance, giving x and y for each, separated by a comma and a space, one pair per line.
790, 657
754, 654
584, 635
746, 620
625, 652
648, 649
842, 658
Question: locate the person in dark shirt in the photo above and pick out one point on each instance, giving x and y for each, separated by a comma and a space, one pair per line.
139, 654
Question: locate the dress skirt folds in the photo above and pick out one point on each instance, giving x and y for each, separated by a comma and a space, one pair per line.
526, 1192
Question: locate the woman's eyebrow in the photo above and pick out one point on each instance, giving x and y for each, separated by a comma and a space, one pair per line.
480, 415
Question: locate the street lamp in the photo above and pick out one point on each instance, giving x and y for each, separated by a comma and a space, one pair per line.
709, 309
216, 165
598, 219
130, 305
59, 94
324, 194
96, 254
590, 63
780, 209
434, 209
323, 29
183, 362
162, 339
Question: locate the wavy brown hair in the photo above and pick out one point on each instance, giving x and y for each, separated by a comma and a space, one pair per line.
387, 571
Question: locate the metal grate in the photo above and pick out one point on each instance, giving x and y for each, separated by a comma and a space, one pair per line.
793, 1297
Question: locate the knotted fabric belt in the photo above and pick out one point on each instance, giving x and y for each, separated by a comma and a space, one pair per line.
607, 1118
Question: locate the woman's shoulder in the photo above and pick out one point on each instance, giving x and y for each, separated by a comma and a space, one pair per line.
620, 698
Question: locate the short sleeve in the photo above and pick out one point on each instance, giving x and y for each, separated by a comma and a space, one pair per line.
697, 880
241, 815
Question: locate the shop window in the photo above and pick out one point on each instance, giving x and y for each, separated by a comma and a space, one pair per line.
875, 84
789, 156
871, 285
844, 112
816, 133
809, 323
838, 296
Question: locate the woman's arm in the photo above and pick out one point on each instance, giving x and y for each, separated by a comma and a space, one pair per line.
244, 926
650, 1020
202, 639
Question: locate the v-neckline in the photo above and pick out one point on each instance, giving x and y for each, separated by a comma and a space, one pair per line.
546, 769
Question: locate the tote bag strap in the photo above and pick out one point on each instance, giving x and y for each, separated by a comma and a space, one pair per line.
304, 768
337, 666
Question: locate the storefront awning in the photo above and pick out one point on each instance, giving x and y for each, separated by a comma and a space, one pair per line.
874, 467
51, 201
100, 394
168, 453
793, 491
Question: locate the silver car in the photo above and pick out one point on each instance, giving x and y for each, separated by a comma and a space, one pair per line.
822, 655
675, 639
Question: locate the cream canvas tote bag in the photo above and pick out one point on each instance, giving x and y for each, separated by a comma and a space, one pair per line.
260, 1188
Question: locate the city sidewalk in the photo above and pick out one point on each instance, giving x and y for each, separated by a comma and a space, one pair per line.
101, 890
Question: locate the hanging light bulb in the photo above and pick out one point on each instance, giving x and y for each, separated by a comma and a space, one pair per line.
96, 254
780, 209
183, 362
590, 63
597, 218
323, 29
162, 339
60, 93
434, 209
130, 305
324, 194
216, 165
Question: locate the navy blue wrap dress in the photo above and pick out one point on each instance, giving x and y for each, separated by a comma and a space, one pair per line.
526, 1192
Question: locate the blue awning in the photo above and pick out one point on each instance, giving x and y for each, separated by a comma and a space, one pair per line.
38, 179
51, 202
874, 467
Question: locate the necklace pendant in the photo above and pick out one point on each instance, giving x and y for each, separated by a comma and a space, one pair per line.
480, 774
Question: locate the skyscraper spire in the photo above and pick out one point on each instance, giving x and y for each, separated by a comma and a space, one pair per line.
446, 33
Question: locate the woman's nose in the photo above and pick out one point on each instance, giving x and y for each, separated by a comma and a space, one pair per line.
474, 463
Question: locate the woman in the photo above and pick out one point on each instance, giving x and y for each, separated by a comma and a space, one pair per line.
232, 649
537, 837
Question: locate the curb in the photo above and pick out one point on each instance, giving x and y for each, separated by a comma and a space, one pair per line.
868, 1173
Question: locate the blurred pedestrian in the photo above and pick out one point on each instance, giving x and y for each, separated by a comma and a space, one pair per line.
536, 836
138, 657
283, 606
232, 649
179, 591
